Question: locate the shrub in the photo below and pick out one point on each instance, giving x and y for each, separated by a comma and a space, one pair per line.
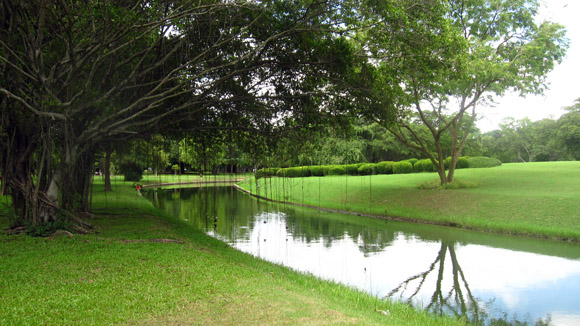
447, 162
425, 165
351, 169
132, 171
418, 167
337, 170
295, 172
367, 169
385, 167
305, 171
266, 172
402, 167
281, 173
316, 171
463, 162
326, 168
482, 162
412, 160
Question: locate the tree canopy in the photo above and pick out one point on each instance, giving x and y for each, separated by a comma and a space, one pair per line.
484, 49
77, 75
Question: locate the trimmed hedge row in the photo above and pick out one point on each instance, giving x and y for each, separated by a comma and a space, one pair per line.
386, 167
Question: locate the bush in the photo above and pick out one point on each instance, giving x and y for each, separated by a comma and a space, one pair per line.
132, 171
447, 162
367, 169
337, 170
463, 162
305, 171
266, 172
425, 165
385, 167
402, 167
351, 169
316, 171
418, 167
482, 162
296, 172
412, 160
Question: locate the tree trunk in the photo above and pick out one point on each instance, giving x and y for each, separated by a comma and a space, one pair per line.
107, 171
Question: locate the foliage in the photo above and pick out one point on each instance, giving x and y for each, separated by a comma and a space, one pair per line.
412, 160
483, 162
463, 162
402, 167
351, 169
385, 167
367, 169
132, 171
77, 79
482, 50
535, 141
337, 170
266, 172
316, 171
424, 165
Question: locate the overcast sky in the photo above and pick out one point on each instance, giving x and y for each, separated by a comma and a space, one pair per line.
564, 80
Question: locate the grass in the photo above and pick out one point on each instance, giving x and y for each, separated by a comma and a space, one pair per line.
145, 268
534, 199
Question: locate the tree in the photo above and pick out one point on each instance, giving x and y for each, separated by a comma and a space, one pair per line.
77, 75
486, 49
525, 141
569, 130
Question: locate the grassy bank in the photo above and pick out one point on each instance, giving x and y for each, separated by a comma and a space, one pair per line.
146, 268
536, 199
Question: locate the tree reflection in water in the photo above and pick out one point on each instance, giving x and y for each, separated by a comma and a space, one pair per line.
459, 299
233, 217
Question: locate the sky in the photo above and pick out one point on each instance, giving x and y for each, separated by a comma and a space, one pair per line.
563, 81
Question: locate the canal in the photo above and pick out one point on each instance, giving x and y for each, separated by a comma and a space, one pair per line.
490, 279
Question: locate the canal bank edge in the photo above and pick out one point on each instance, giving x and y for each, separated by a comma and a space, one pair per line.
411, 220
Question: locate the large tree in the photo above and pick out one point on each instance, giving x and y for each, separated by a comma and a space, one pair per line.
78, 75
486, 49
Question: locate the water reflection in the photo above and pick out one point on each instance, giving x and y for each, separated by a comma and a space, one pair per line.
488, 279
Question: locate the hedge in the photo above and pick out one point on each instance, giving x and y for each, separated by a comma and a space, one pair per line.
402, 167
337, 170
483, 162
412, 160
351, 169
316, 171
385, 167
367, 169
266, 172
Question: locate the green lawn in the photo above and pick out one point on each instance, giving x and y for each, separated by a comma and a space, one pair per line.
537, 199
145, 268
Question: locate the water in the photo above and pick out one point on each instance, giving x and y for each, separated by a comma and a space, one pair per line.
488, 278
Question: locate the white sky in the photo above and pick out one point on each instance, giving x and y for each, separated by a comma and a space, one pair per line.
564, 80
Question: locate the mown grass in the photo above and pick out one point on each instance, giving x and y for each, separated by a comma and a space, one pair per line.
145, 268
535, 199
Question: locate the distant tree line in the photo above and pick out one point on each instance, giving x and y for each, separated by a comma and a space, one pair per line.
536, 141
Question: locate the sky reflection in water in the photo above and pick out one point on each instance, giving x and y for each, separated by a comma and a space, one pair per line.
440, 269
